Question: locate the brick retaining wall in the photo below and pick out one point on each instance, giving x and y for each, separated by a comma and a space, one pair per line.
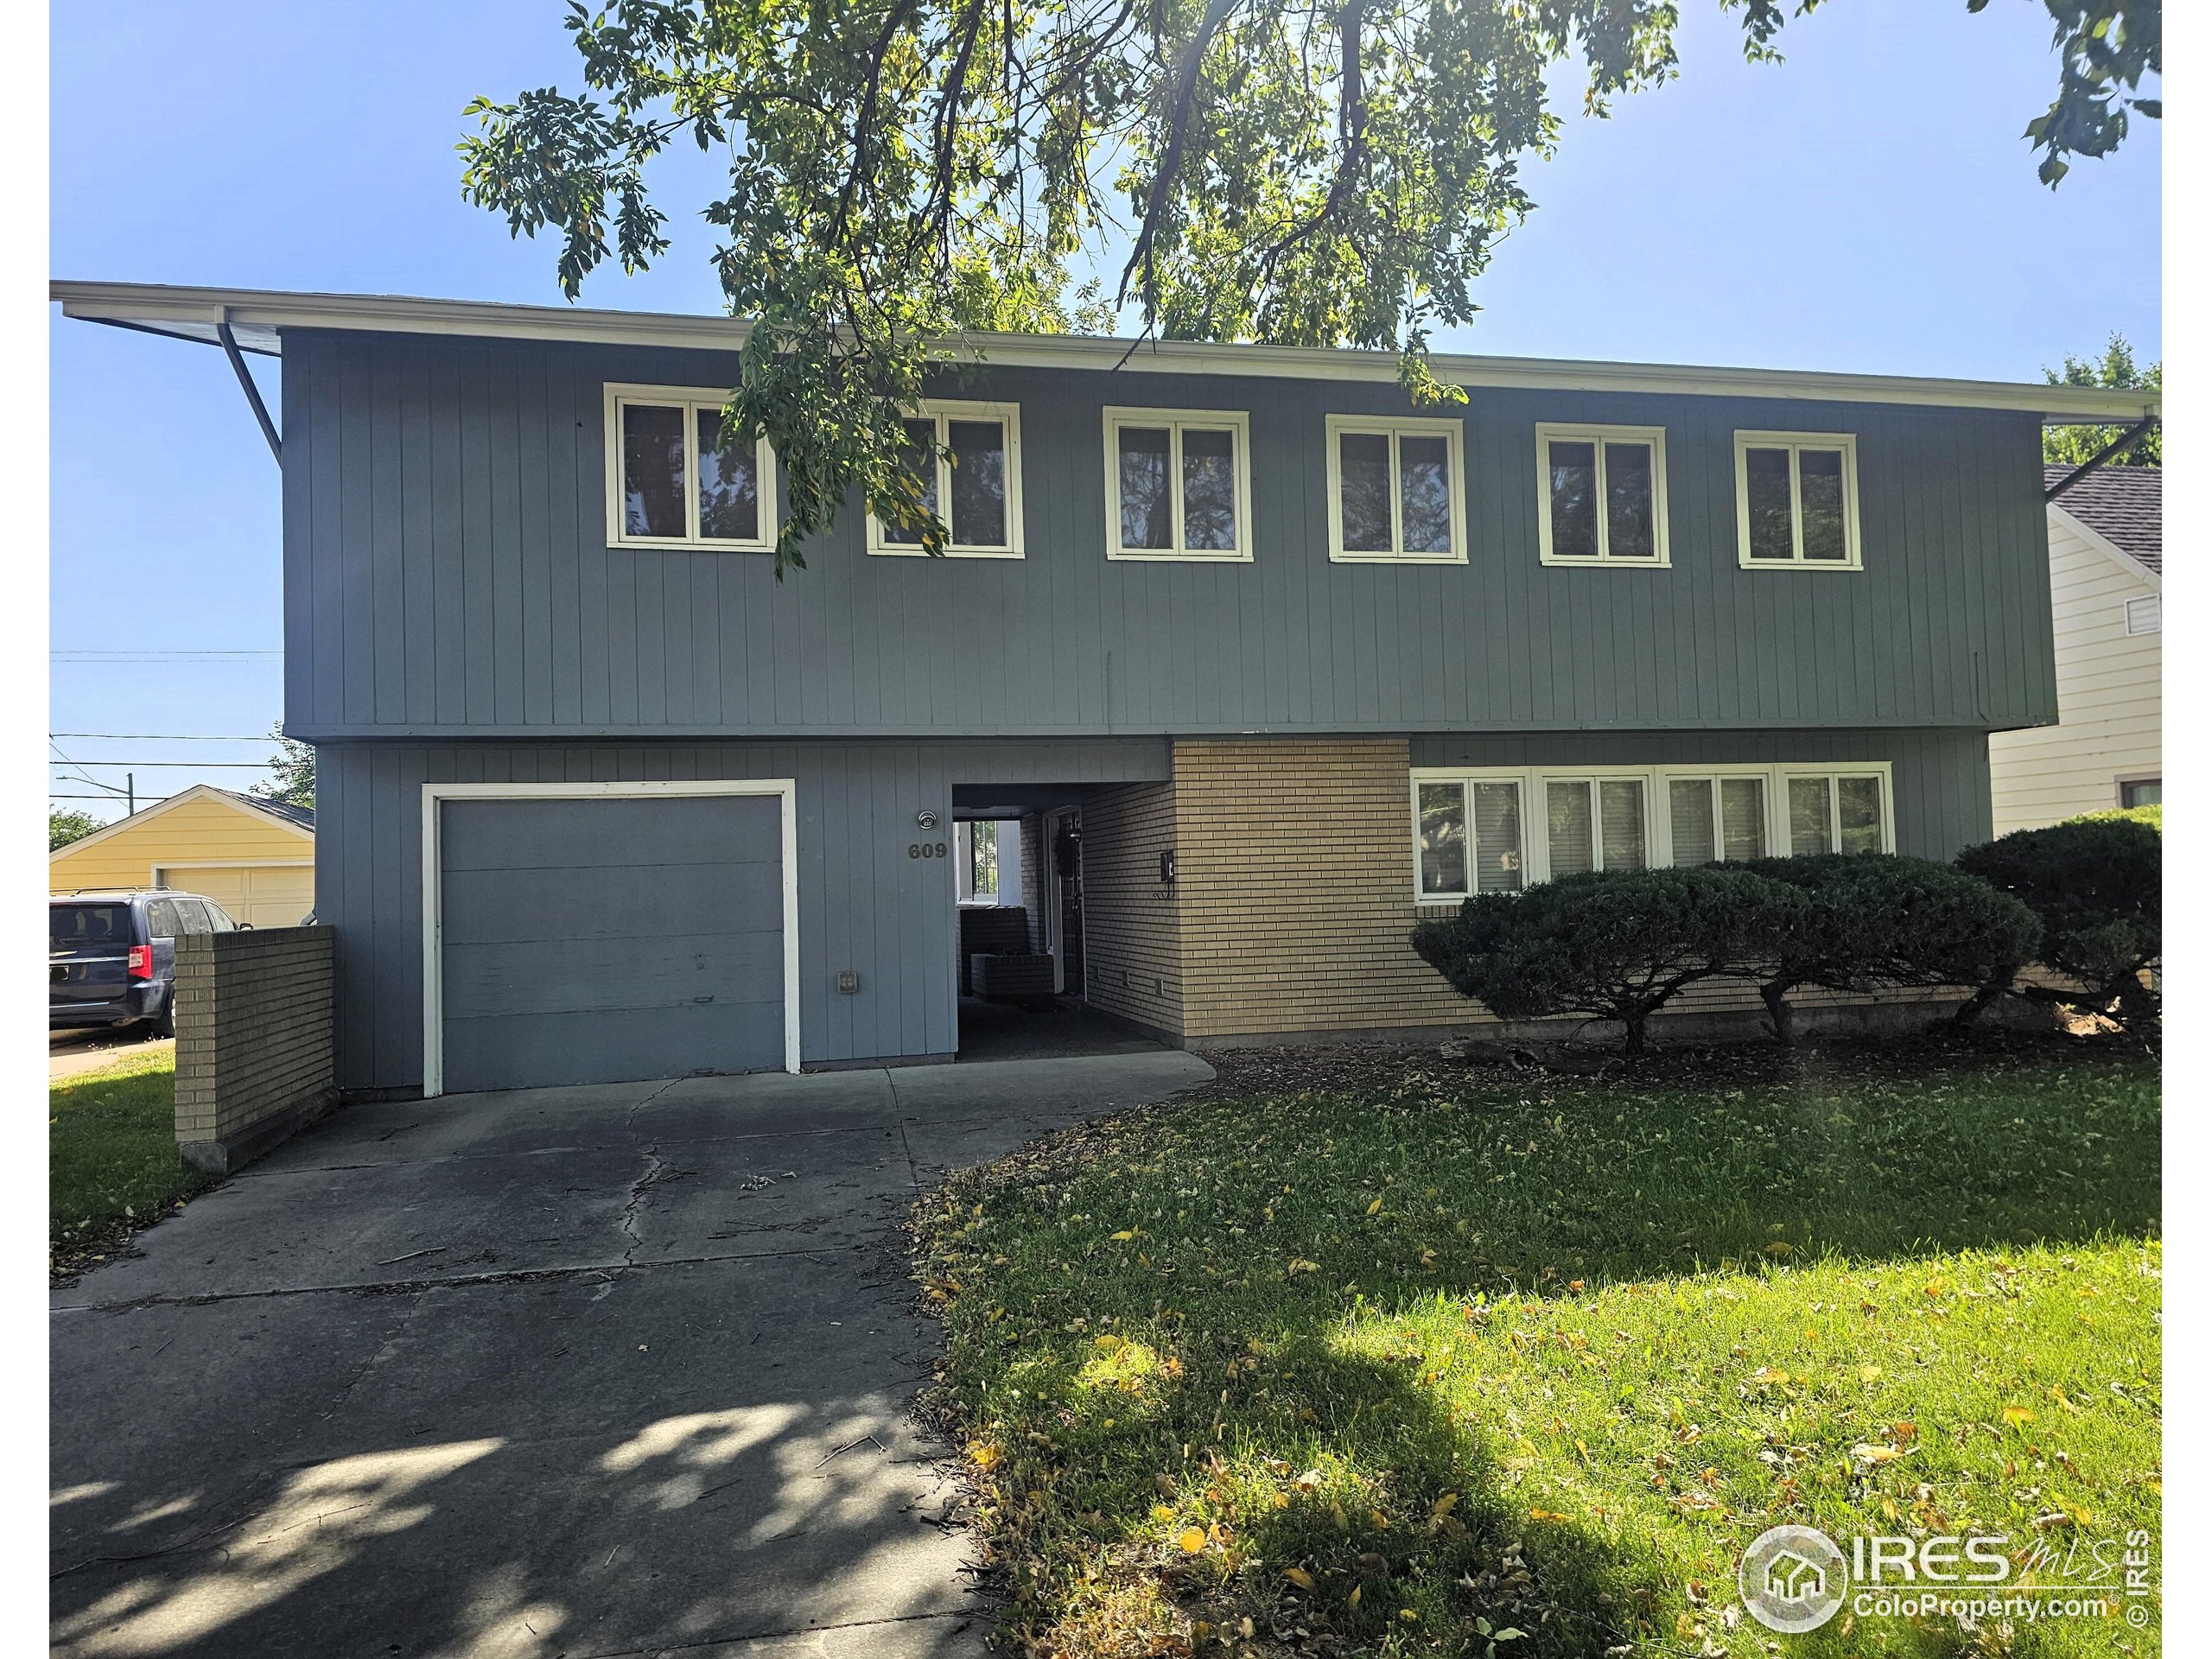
253, 1041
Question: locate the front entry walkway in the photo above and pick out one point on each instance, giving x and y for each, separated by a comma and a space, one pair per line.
594, 1371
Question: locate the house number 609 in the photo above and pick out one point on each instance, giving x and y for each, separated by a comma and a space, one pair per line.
925, 850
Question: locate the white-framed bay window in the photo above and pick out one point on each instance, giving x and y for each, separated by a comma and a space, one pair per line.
966, 457
1798, 501
1178, 484
1497, 829
1602, 496
672, 482
1397, 490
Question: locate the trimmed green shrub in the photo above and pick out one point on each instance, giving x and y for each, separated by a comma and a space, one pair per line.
1614, 945
1874, 922
2094, 887
2152, 814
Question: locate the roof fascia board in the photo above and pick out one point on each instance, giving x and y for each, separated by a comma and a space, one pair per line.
200, 310
2111, 550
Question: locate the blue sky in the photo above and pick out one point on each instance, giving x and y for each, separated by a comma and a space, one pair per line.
1846, 209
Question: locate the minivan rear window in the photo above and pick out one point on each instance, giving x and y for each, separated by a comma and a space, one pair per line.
90, 927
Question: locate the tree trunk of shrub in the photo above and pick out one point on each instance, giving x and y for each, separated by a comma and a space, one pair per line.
1634, 1021
1779, 1013
1970, 1011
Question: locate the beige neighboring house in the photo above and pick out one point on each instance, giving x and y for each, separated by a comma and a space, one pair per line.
2105, 567
255, 858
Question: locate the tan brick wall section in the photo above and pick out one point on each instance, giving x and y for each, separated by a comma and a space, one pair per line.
253, 1028
1133, 965
1294, 884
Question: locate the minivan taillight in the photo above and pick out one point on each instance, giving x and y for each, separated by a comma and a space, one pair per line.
141, 962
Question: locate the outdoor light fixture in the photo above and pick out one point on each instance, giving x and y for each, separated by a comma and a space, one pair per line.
925, 819
1167, 865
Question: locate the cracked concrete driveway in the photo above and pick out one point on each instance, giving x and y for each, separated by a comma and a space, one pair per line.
617, 1370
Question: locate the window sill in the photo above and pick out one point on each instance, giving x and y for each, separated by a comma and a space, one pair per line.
1798, 564
640, 546
1335, 557
1559, 563
1161, 555
948, 553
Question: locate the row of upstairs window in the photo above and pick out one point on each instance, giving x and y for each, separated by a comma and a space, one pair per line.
1178, 487
1497, 830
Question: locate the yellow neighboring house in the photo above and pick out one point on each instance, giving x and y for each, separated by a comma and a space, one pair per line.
255, 858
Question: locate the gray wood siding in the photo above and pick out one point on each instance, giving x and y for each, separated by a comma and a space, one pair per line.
864, 905
446, 575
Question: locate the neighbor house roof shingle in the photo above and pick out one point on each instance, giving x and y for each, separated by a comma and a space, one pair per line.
302, 815
2121, 504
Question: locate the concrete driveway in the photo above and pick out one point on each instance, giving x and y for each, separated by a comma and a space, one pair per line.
619, 1369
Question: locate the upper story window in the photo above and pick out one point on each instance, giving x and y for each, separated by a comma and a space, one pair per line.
975, 489
1496, 829
1602, 495
1177, 484
1396, 490
1797, 500
672, 482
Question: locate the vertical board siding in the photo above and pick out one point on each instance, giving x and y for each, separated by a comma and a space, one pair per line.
864, 904
448, 574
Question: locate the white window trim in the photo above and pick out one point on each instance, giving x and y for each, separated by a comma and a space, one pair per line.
691, 400
1658, 824
1396, 427
434, 795
1667, 777
943, 411
1550, 432
1176, 419
1848, 443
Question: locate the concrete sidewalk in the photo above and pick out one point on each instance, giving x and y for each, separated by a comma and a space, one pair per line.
595, 1371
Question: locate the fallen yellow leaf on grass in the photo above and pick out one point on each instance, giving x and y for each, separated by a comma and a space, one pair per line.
2015, 1415
1299, 1576
1867, 1452
1192, 1540
1374, 1207
1869, 1373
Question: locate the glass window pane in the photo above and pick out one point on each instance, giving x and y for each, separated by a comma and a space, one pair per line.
1424, 494
919, 460
1743, 817
192, 916
1567, 813
1859, 808
729, 484
1209, 491
652, 471
1820, 483
1766, 487
1574, 500
1363, 488
1628, 516
1620, 815
1146, 519
161, 921
1443, 838
978, 482
1808, 817
983, 860
1689, 816
1497, 837
2142, 791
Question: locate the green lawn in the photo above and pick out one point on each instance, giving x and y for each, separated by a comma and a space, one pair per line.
111, 1161
1367, 1367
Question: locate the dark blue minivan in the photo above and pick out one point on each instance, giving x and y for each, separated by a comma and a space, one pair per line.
112, 954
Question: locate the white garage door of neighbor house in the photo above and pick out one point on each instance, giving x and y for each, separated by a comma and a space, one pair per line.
261, 895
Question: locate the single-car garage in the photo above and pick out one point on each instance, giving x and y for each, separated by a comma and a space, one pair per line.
607, 932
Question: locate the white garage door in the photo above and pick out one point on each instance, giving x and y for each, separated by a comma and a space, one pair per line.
263, 895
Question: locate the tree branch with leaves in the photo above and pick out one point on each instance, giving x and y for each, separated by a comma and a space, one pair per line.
903, 176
